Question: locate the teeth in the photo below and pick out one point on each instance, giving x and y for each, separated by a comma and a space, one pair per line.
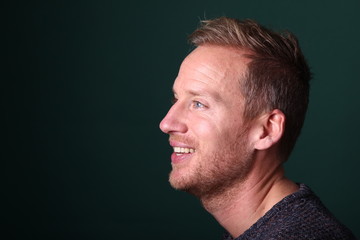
183, 150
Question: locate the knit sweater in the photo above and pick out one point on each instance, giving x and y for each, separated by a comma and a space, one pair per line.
300, 215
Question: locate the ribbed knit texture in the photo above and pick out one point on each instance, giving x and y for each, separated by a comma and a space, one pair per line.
300, 215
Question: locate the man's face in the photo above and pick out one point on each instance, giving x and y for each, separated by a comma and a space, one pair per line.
205, 124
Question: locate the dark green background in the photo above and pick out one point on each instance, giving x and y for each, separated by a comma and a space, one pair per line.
85, 84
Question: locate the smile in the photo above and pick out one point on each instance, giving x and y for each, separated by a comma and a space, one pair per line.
181, 150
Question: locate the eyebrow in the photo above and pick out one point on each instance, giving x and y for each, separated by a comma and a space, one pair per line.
215, 95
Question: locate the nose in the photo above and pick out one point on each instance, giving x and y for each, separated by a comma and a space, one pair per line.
174, 121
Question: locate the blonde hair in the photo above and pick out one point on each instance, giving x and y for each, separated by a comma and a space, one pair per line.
277, 77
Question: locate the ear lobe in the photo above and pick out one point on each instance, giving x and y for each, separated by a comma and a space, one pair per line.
273, 126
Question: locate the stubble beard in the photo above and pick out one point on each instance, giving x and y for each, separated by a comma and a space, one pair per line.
215, 173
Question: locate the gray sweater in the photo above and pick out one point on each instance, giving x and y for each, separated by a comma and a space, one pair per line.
300, 215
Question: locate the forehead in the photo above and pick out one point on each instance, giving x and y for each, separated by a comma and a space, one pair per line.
212, 68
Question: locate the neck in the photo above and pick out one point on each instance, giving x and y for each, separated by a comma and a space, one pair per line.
240, 206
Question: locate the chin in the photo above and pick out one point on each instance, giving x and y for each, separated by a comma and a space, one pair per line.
180, 181
187, 184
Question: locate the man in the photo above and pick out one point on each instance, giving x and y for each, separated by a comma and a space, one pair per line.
240, 100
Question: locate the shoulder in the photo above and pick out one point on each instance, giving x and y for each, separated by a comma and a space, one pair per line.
300, 215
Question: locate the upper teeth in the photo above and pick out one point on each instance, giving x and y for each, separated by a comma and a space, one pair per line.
183, 150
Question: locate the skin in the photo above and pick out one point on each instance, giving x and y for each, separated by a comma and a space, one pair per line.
235, 169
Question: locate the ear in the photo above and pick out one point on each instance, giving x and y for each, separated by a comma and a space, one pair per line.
271, 127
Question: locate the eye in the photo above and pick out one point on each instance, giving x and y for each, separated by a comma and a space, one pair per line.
197, 104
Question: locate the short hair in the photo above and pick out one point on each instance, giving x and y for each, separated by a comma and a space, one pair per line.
277, 76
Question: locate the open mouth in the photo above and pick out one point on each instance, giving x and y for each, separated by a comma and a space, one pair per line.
181, 150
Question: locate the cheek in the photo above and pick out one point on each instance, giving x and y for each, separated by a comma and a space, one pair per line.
211, 135
217, 128
204, 128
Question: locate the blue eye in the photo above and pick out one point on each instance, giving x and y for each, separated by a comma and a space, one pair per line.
198, 104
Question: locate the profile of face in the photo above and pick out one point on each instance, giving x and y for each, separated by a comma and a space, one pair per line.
205, 125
